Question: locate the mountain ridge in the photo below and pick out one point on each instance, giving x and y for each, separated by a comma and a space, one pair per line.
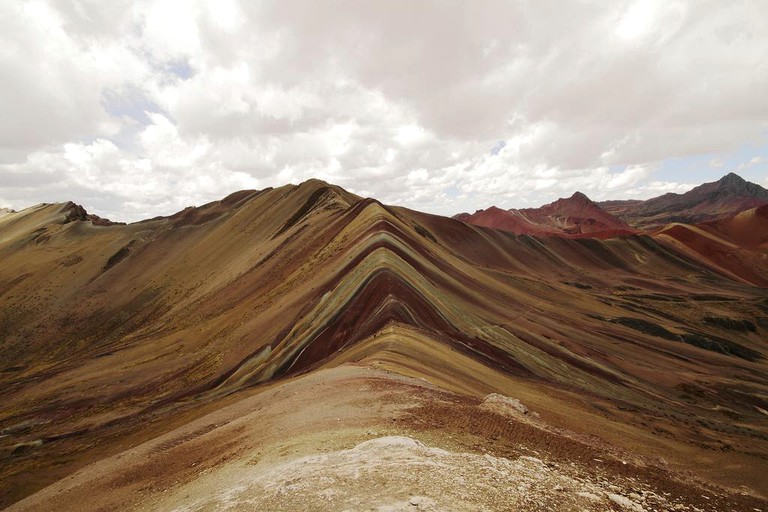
575, 216
729, 195
114, 333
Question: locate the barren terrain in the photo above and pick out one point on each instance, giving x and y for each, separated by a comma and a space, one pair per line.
304, 348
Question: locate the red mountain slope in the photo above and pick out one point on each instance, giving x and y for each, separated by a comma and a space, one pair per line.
748, 228
576, 216
736, 246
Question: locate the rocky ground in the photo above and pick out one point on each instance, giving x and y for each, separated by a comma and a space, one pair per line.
356, 438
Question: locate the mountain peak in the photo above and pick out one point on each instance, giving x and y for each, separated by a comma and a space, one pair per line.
709, 201
732, 179
578, 200
580, 197
568, 216
73, 211
734, 184
314, 183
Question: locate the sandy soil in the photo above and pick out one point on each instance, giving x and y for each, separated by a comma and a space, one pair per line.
355, 438
395, 473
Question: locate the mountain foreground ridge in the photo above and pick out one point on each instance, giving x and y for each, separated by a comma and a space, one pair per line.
302, 347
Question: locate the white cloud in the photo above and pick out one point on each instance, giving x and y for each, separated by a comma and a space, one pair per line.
175, 173
656, 188
755, 160
643, 19
445, 107
170, 29
47, 93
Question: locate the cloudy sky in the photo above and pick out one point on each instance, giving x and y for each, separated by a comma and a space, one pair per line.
139, 108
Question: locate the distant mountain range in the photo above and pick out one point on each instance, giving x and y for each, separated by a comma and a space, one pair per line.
729, 195
578, 216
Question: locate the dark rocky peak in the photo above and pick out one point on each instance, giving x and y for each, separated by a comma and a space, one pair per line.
735, 184
73, 212
732, 179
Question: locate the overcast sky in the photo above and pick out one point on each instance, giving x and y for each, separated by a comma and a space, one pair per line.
140, 108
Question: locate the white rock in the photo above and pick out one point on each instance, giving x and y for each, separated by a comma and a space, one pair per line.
626, 502
590, 496
505, 403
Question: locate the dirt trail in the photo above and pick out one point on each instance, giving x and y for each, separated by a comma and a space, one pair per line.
398, 473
